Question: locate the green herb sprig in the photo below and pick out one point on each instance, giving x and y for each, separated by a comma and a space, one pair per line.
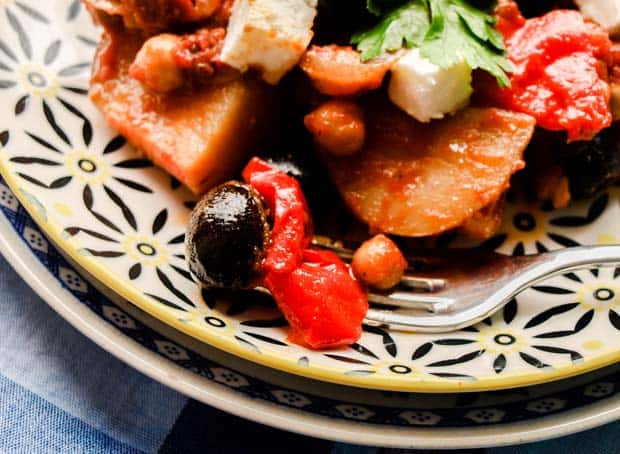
446, 32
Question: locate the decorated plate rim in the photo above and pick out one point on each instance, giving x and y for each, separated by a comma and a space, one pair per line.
118, 344
318, 372
387, 378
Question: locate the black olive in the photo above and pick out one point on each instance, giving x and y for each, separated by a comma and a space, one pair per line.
303, 168
338, 20
309, 172
227, 237
534, 8
593, 165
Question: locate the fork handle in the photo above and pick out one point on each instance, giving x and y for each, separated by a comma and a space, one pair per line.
582, 257
538, 268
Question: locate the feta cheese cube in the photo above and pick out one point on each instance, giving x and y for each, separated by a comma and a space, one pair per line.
605, 12
269, 35
426, 91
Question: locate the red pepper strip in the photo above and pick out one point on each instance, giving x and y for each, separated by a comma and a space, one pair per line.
322, 302
292, 226
324, 305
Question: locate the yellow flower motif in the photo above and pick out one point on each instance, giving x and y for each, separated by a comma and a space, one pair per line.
63, 209
607, 239
394, 368
145, 250
87, 167
599, 295
524, 223
37, 80
500, 340
594, 344
213, 319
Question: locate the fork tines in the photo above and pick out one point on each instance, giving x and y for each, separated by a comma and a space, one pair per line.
405, 295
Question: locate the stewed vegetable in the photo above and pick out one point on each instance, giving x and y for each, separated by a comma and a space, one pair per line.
379, 263
227, 237
413, 179
230, 244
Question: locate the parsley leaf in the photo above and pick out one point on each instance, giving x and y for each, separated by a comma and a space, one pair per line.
446, 31
460, 32
404, 26
377, 7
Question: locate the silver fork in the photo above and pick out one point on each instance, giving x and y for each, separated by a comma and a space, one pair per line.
453, 289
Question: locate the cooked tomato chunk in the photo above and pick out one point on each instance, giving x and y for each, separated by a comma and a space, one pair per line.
198, 52
560, 72
156, 16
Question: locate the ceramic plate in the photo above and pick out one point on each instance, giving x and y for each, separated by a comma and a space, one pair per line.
293, 403
123, 221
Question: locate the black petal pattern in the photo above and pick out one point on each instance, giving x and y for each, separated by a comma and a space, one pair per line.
388, 341
546, 315
272, 323
149, 246
574, 397
422, 351
262, 338
499, 364
4, 138
460, 360
594, 212
33, 13
24, 40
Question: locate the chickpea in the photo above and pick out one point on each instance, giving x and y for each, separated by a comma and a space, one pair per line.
338, 127
205, 8
379, 263
339, 71
155, 65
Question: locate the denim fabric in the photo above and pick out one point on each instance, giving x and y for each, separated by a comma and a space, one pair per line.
603, 440
29, 424
42, 353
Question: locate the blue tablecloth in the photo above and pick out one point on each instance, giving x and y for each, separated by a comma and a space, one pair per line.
60, 393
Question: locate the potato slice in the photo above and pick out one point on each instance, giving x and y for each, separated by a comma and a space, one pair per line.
201, 136
414, 179
485, 223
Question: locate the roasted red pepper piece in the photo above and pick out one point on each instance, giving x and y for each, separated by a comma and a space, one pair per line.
292, 226
560, 64
315, 290
324, 305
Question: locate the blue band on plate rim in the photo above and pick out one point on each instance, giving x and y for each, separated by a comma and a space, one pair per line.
463, 415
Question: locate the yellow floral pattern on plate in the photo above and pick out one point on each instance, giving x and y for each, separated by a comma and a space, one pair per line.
123, 221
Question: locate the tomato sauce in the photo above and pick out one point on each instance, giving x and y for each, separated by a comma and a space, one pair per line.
198, 51
560, 71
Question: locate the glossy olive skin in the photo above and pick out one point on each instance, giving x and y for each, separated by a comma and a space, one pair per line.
227, 237
311, 175
593, 165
